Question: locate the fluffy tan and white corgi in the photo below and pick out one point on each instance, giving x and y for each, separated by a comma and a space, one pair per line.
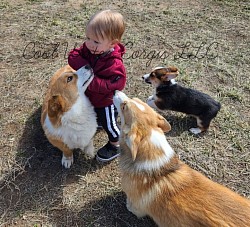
68, 118
158, 184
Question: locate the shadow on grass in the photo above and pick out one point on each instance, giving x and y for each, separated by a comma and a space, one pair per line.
36, 181
179, 123
107, 212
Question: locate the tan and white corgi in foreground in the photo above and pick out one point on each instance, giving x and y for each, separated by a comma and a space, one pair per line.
158, 184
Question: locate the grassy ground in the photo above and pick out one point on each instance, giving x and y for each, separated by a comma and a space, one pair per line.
207, 40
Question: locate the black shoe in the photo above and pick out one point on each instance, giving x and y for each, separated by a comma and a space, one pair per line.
107, 153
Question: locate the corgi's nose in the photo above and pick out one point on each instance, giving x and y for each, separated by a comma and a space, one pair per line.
145, 77
87, 67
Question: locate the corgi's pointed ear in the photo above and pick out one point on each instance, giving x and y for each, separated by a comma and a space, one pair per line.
56, 105
163, 124
133, 145
170, 73
172, 69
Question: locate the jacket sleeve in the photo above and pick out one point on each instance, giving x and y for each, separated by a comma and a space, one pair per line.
76, 57
115, 81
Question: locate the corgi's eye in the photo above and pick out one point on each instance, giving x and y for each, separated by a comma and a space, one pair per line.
69, 79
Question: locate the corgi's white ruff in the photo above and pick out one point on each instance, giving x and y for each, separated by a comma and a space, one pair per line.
76, 124
159, 141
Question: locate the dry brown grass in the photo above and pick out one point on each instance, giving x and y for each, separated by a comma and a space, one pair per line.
34, 189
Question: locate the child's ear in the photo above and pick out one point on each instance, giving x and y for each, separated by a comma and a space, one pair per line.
114, 42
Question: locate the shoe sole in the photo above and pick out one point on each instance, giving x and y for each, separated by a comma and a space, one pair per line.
106, 160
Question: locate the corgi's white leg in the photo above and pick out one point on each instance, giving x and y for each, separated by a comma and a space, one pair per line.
150, 98
151, 103
195, 130
200, 127
89, 150
67, 161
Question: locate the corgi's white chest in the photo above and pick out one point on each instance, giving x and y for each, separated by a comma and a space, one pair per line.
78, 125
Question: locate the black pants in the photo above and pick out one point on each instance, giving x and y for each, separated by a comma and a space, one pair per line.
107, 117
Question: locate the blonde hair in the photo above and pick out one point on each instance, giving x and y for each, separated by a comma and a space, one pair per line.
107, 24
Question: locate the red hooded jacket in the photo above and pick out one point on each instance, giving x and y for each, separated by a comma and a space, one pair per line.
109, 71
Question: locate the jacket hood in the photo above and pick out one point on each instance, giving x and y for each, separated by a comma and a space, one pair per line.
119, 49
118, 52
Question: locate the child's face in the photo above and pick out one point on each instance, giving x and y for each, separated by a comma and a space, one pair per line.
97, 45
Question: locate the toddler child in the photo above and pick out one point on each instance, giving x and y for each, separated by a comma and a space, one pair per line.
103, 51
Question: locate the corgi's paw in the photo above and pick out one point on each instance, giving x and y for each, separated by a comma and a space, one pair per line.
195, 130
67, 161
90, 150
150, 98
152, 104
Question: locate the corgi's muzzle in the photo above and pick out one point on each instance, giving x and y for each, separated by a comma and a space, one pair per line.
90, 76
119, 98
85, 71
146, 78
